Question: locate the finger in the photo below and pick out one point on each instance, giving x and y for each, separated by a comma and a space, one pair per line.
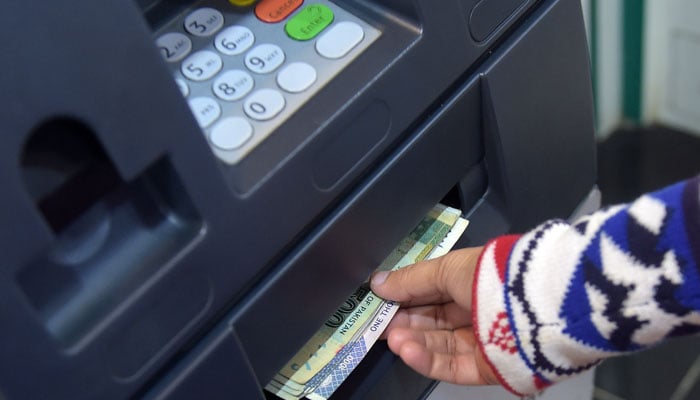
444, 341
444, 316
431, 281
456, 367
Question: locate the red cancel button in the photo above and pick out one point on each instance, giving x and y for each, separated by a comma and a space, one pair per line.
276, 10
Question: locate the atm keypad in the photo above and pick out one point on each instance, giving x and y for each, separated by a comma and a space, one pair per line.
245, 69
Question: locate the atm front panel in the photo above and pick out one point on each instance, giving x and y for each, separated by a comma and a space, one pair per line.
192, 187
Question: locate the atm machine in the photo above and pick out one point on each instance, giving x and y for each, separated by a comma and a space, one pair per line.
191, 187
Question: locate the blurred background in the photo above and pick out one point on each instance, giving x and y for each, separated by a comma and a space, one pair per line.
645, 58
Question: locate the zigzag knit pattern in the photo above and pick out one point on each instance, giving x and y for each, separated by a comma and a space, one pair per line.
561, 298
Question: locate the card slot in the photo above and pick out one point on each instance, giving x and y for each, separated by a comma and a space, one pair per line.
110, 236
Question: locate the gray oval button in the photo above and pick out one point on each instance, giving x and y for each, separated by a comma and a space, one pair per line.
231, 133
340, 39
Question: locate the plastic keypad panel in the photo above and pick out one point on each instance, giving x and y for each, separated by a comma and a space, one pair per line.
246, 66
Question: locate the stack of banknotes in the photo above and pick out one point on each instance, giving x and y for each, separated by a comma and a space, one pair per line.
333, 352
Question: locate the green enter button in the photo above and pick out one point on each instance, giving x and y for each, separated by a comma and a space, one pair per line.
309, 22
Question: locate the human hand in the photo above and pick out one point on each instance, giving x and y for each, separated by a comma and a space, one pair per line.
432, 332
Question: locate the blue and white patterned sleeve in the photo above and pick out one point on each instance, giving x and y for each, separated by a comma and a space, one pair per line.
559, 299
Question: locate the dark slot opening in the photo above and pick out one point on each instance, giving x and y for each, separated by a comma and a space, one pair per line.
66, 171
111, 236
469, 190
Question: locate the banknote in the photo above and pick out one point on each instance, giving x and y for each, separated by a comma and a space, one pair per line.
359, 349
426, 235
331, 376
346, 315
289, 389
356, 353
293, 380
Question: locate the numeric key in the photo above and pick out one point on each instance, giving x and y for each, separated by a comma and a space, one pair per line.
174, 46
264, 58
264, 104
201, 65
234, 40
233, 85
204, 22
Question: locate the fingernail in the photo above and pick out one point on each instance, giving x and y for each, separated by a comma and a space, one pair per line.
379, 277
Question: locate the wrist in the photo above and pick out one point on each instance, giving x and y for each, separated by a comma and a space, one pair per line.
497, 343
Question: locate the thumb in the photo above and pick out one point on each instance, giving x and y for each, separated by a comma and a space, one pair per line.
438, 280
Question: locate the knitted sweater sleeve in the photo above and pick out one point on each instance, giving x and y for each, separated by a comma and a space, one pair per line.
557, 300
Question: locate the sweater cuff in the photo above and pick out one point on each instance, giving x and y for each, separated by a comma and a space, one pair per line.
492, 323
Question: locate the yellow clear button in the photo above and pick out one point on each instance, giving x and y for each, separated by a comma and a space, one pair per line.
241, 3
